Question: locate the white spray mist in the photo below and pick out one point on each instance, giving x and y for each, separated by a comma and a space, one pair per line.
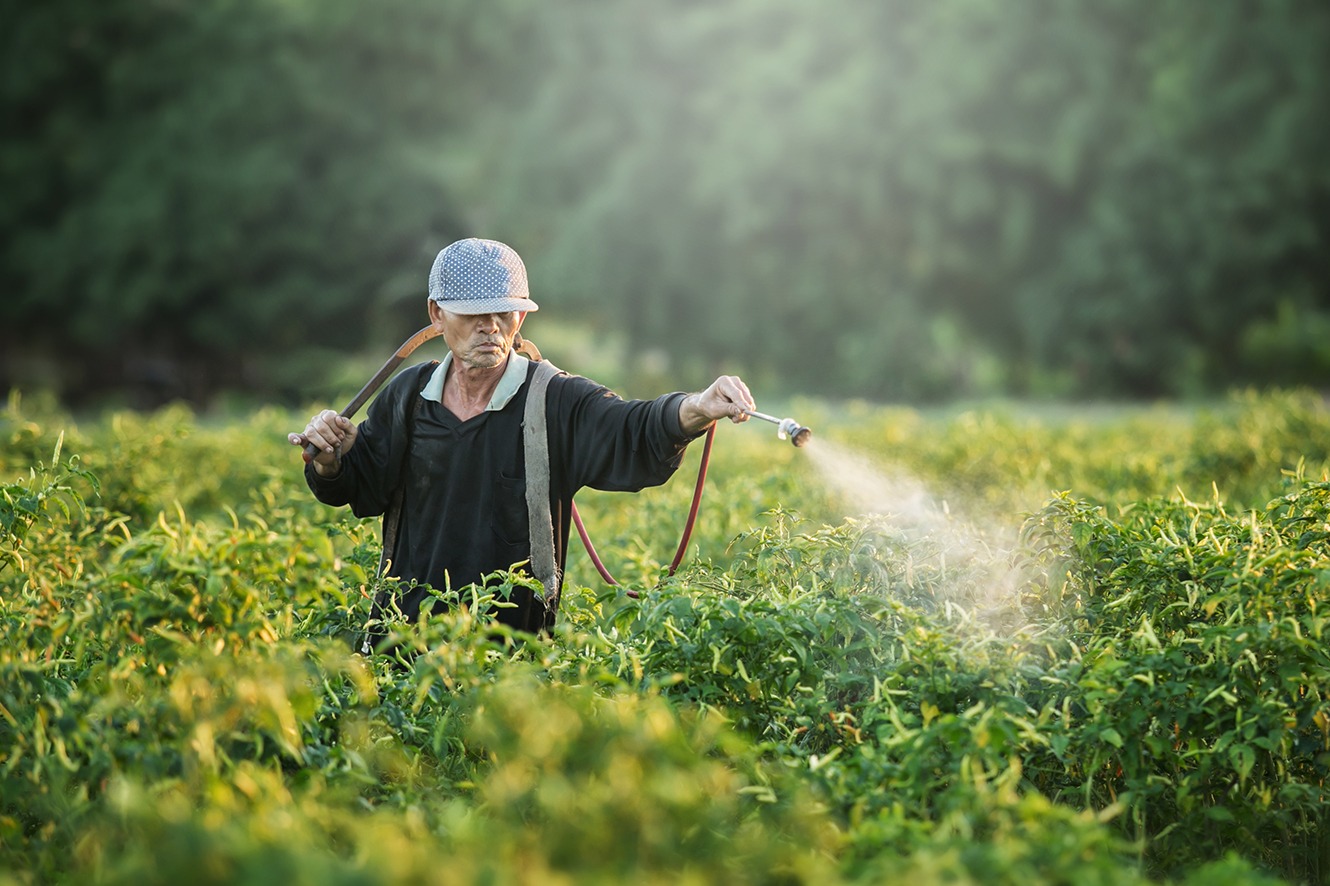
961, 563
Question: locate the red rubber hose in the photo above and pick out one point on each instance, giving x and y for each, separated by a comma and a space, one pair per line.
697, 500
687, 527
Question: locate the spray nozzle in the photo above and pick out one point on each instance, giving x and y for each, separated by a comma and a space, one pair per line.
786, 428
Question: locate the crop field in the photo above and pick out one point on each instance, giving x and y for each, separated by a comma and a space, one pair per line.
986, 645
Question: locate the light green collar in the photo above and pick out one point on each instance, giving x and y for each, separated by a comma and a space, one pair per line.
511, 382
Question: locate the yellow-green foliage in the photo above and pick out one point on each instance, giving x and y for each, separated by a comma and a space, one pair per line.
1136, 689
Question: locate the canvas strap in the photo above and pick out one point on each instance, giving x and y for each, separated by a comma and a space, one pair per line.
536, 451
392, 517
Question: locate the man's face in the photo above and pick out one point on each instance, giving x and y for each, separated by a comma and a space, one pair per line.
478, 341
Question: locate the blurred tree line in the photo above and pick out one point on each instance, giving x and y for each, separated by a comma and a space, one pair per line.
216, 195
903, 199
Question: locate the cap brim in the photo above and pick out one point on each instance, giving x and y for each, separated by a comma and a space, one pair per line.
486, 305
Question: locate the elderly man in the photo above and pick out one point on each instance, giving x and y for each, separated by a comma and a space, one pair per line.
443, 456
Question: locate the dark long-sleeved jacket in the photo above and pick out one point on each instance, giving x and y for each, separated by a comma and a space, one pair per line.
463, 512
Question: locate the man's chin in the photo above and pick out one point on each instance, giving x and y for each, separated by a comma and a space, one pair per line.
486, 360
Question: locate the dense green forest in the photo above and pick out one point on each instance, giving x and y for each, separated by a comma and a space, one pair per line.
893, 200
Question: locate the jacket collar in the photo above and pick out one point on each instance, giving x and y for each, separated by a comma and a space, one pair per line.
514, 376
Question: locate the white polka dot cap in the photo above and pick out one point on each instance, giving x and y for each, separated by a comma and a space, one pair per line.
475, 276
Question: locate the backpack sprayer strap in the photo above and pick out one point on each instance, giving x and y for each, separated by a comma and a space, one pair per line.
536, 452
392, 517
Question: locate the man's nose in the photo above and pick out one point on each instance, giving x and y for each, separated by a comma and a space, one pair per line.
487, 322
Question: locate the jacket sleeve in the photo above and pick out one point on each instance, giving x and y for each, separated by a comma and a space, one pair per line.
372, 469
609, 443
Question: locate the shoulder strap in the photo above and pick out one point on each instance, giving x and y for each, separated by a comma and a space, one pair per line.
536, 452
392, 518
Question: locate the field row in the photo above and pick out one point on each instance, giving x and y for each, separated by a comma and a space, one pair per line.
978, 647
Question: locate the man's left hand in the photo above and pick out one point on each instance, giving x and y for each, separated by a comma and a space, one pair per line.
727, 397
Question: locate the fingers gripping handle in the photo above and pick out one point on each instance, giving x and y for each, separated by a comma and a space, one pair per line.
328, 429
311, 450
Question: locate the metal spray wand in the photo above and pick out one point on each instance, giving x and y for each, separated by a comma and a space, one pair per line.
785, 427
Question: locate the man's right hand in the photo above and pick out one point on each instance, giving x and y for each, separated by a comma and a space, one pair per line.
330, 434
